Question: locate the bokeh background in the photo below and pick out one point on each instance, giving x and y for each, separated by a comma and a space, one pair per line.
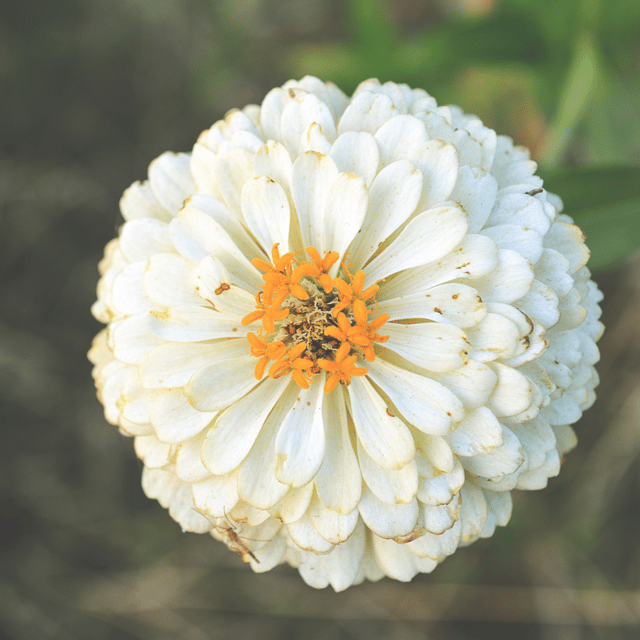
90, 92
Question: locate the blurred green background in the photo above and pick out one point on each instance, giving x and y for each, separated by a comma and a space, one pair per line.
91, 92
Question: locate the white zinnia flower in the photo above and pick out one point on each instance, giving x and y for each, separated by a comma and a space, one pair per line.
342, 330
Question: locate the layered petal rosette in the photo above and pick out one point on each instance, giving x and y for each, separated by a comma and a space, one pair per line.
342, 330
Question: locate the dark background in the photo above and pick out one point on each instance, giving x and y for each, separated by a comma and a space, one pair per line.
90, 92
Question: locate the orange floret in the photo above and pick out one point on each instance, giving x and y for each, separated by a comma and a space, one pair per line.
292, 363
340, 370
351, 295
264, 352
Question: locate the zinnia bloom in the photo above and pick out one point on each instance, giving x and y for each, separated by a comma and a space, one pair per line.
342, 330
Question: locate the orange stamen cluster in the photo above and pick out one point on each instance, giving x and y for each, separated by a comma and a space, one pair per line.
311, 321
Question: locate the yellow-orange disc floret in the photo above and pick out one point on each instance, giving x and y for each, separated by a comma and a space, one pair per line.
312, 322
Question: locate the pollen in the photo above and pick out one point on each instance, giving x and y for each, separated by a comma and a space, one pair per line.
312, 321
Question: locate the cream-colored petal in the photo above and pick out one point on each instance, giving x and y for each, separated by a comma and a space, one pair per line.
513, 393
217, 386
391, 486
509, 281
385, 438
472, 383
233, 434
304, 534
334, 527
541, 303
356, 153
192, 323
138, 201
398, 137
438, 163
476, 191
216, 496
345, 210
166, 281
475, 256
299, 115
182, 510
300, 443
501, 461
174, 419
440, 518
493, 337
189, 467
131, 339
366, 112
160, 484
173, 364
313, 175
151, 451
388, 520
142, 238
439, 488
433, 346
294, 504
393, 197
427, 238
424, 403
339, 482
513, 237
127, 295
170, 180
273, 161
452, 303
474, 512
265, 208
478, 434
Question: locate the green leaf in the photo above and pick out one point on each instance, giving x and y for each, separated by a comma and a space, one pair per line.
605, 204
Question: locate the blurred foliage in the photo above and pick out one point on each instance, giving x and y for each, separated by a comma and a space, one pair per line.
91, 92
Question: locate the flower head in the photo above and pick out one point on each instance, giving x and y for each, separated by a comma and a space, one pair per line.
343, 329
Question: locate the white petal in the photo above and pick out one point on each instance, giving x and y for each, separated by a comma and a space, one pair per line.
440, 487
273, 161
151, 451
367, 112
138, 201
345, 210
395, 486
230, 221
475, 257
423, 402
512, 394
522, 210
438, 163
271, 110
393, 197
493, 337
339, 482
333, 527
230, 439
174, 419
170, 180
388, 520
233, 169
435, 547
472, 383
568, 240
127, 294
299, 115
160, 484
511, 279
216, 496
183, 511
502, 461
265, 208
142, 238
189, 467
208, 279
217, 386
356, 153
476, 192
441, 518
526, 242
397, 562
131, 339
474, 512
436, 451
427, 238
257, 482
166, 281
541, 303
300, 443
339, 568
196, 235
294, 504
385, 438
478, 434
552, 269
172, 365
399, 137
433, 346
315, 140
452, 303
304, 534
192, 323
313, 175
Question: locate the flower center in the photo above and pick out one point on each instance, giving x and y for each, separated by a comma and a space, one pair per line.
312, 322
